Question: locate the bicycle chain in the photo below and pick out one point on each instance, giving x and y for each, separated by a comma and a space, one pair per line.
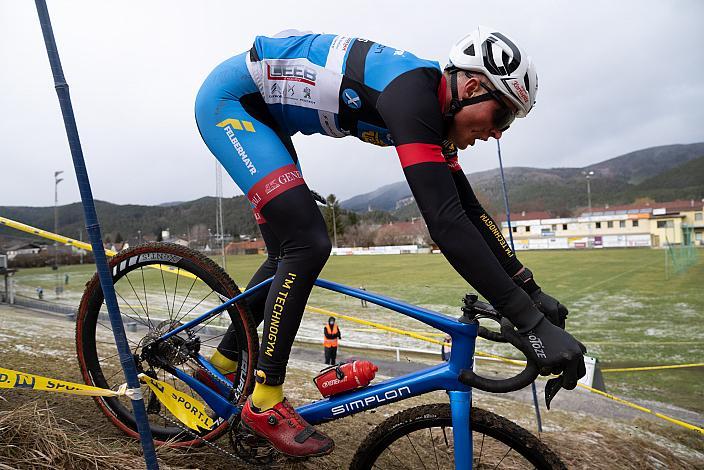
231, 430
205, 441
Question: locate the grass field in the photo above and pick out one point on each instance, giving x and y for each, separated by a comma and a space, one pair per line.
620, 305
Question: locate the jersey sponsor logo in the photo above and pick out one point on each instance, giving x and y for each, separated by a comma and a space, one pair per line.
453, 164
336, 55
351, 98
297, 82
376, 138
327, 122
378, 48
291, 72
374, 134
237, 125
497, 233
273, 184
239, 148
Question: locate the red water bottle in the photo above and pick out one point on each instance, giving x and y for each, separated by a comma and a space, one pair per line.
346, 376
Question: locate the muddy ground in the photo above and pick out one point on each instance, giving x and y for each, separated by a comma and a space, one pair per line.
585, 430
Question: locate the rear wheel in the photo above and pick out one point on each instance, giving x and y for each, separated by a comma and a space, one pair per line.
160, 286
422, 437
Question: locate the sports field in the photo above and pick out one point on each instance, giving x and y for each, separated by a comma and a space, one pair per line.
620, 304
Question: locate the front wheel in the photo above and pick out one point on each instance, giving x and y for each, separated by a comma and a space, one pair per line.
160, 286
421, 437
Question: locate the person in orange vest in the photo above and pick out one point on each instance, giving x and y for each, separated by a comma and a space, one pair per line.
332, 334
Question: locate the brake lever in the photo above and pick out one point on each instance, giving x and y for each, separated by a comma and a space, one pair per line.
552, 386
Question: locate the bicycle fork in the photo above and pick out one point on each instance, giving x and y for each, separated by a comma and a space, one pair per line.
460, 406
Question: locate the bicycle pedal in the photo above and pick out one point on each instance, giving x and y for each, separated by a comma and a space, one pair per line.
251, 448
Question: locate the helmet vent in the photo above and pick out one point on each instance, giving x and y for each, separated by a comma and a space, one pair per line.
470, 50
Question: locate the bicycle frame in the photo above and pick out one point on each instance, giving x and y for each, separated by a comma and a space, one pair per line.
440, 377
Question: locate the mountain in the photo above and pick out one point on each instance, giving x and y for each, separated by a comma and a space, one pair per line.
657, 172
660, 173
643, 164
188, 219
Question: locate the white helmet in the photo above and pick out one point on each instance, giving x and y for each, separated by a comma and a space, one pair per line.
497, 56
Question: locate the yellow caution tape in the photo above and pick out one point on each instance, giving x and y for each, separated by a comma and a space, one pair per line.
678, 422
13, 379
51, 236
322, 311
379, 326
423, 337
79, 244
674, 366
186, 408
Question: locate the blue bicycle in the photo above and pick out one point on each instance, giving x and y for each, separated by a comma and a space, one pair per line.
171, 311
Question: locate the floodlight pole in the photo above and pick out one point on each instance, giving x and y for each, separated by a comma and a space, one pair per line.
93, 228
510, 236
57, 180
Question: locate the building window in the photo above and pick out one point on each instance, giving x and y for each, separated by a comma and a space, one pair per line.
564, 226
698, 216
635, 223
515, 229
621, 224
527, 228
665, 224
698, 236
609, 224
598, 225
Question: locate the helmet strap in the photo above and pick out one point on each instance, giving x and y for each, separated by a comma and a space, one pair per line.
456, 104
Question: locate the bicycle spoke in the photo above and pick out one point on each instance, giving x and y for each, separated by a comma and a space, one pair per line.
196, 305
481, 450
173, 304
432, 441
113, 375
502, 458
105, 359
396, 457
146, 299
166, 296
110, 329
185, 298
146, 311
204, 324
416, 451
131, 308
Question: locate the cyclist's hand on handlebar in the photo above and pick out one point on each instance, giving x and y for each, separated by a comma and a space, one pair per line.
553, 310
554, 350
550, 347
551, 307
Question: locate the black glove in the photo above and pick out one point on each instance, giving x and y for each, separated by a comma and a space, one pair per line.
552, 348
550, 306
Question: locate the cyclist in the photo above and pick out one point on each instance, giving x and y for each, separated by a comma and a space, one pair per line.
249, 107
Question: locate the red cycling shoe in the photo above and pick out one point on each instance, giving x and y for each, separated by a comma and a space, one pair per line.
286, 431
203, 377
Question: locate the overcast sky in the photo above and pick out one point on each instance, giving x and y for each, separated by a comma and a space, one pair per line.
615, 76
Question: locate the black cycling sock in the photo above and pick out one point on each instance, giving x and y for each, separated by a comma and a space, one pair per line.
296, 221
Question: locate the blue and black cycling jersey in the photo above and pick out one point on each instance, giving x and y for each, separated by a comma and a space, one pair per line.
341, 86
